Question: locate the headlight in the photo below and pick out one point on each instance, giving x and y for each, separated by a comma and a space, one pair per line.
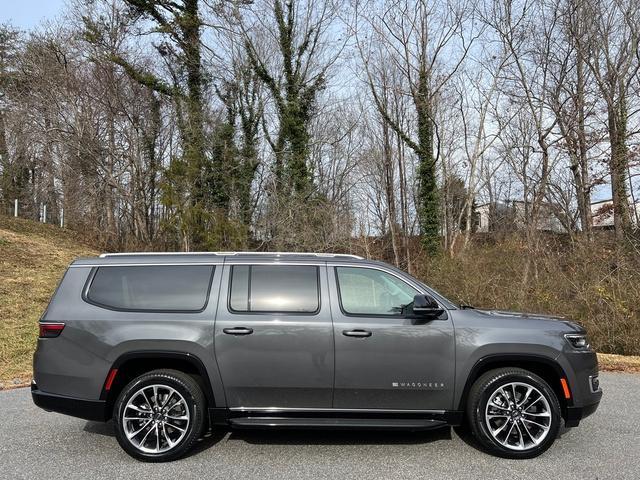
577, 340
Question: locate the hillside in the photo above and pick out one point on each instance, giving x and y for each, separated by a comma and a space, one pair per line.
33, 258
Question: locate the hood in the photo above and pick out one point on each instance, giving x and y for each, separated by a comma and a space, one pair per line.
505, 313
534, 316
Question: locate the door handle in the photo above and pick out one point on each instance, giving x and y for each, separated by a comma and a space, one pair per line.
238, 331
357, 333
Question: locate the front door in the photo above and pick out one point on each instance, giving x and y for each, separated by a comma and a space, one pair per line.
384, 359
273, 336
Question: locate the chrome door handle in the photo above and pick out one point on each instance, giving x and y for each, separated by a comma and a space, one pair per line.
357, 333
238, 331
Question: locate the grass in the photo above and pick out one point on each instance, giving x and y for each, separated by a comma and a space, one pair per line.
33, 258
618, 363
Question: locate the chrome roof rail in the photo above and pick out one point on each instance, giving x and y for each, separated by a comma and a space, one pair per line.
277, 254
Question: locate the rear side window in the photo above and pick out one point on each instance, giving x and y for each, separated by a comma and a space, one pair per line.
168, 288
274, 288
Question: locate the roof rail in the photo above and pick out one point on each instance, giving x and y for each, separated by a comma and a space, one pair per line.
315, 254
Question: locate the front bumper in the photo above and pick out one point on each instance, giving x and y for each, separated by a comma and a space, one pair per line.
95, 410
580, 369
575, 414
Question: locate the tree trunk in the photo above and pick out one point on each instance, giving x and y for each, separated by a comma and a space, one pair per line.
4, 163
404, 204
4, 152
109, 199
388, 174
428, 198
194, 148
617, 122
583, 189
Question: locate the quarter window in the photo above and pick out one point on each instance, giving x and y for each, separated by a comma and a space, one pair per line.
366, 291
152, 288
274, 288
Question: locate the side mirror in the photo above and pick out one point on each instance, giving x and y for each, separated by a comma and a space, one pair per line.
425, 305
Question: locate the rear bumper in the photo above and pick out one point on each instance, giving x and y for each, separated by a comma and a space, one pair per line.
76, 407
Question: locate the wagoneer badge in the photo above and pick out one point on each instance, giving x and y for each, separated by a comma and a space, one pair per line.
421, 385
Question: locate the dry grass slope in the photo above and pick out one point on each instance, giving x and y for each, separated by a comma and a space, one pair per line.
619, 363
591, 287
590, 283
33, 258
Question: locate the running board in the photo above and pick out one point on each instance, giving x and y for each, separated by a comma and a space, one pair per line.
336, 423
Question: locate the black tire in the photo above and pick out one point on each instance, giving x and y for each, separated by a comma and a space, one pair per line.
195, 401
481, 393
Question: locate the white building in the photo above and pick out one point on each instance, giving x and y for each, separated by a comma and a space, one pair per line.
510, 215
602, 213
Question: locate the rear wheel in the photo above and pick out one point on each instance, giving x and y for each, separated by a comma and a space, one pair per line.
513, 413
159, 415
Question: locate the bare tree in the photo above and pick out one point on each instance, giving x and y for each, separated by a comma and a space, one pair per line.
572, 102
610, 46
476, 107
525, 30
419, 36
294, 78
305, 124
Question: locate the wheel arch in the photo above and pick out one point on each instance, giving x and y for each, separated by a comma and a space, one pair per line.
546, 368
132, 364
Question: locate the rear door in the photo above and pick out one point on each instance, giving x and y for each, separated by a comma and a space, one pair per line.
385, 359
273, 336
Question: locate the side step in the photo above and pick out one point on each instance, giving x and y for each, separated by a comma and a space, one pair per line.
336, 423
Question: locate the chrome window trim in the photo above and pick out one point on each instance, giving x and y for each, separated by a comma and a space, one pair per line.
274, 312
89, 281
160, 264
301, 264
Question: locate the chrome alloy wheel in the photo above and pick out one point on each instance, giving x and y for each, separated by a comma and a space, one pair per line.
518, 416
155, 419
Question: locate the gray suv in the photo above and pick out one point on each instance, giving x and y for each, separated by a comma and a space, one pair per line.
170, 345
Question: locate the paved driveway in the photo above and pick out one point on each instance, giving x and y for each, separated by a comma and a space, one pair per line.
39, 445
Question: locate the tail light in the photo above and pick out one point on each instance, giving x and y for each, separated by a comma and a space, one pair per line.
50, 330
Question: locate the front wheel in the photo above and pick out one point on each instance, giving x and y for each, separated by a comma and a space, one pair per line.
159, 415
513, 413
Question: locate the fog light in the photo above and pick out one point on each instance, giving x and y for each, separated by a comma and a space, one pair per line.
594, 383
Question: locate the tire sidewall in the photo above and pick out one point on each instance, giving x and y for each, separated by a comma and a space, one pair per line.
488, 387
194, 403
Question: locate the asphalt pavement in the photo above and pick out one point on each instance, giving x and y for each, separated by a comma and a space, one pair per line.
35, 444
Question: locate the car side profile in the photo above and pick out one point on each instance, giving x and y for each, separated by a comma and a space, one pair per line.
171, 345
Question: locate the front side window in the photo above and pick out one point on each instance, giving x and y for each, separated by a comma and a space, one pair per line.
180, 288
274, 288
366, 291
